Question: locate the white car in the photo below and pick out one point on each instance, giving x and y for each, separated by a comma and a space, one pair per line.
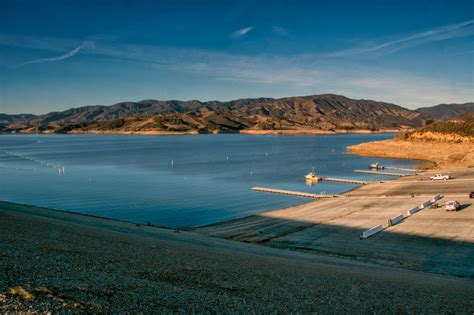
452, 205
440, 177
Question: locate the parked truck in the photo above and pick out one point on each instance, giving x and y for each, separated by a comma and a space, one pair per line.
452, 205
440, 177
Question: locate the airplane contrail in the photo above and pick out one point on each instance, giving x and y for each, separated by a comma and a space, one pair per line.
241, 32
53, 59
449, 31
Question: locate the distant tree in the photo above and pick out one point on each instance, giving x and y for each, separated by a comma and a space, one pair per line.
116, 123
468, 116
159, 124
429, 122
403, 135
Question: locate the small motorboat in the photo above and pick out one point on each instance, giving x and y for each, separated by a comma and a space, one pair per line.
311, 176
376, 166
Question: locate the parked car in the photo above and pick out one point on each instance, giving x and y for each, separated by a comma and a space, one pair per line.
440, 177
452, 205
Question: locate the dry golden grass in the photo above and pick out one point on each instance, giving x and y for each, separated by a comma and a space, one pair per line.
442, 153
441, 137
21, 293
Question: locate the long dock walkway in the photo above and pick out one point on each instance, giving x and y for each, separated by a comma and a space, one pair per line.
381, 173
343, 180
292, 193
401, 169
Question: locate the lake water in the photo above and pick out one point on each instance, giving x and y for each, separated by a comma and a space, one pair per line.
174, 180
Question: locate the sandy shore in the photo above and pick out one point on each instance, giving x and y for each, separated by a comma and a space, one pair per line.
127, 132
313, 131
58, 261
245, 131
442, 153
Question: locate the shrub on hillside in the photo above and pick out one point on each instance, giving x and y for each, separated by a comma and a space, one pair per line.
465, 128
445, 131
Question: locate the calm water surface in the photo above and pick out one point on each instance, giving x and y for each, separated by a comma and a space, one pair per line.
174, 180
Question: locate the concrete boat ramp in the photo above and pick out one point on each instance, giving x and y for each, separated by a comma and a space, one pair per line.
428, 239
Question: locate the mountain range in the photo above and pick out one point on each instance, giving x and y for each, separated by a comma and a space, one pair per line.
447, 111
327, 112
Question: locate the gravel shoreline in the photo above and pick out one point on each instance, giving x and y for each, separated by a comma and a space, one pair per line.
68, 263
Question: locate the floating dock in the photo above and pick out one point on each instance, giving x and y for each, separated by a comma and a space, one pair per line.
292, 193
343, 180
401, 169
381, 173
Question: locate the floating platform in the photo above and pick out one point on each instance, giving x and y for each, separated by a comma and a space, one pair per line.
292, 193
401, 169
343, 180
381, 173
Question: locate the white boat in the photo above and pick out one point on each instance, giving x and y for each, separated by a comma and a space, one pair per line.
376, 166
311, 176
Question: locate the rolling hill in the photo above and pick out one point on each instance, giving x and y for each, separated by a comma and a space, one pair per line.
447, 111
327, 112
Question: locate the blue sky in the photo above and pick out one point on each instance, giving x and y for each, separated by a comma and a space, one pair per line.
56, 55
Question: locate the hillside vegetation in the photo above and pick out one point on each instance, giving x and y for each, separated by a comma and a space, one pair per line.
326, 112
313, 114
446, 131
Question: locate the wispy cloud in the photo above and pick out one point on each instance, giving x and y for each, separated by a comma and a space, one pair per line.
445, 32
67, 55
290, 74
305, 74
241, 32
280, 30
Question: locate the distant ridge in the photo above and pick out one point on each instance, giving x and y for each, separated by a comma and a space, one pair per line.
447, 111
6, 119
326, 112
